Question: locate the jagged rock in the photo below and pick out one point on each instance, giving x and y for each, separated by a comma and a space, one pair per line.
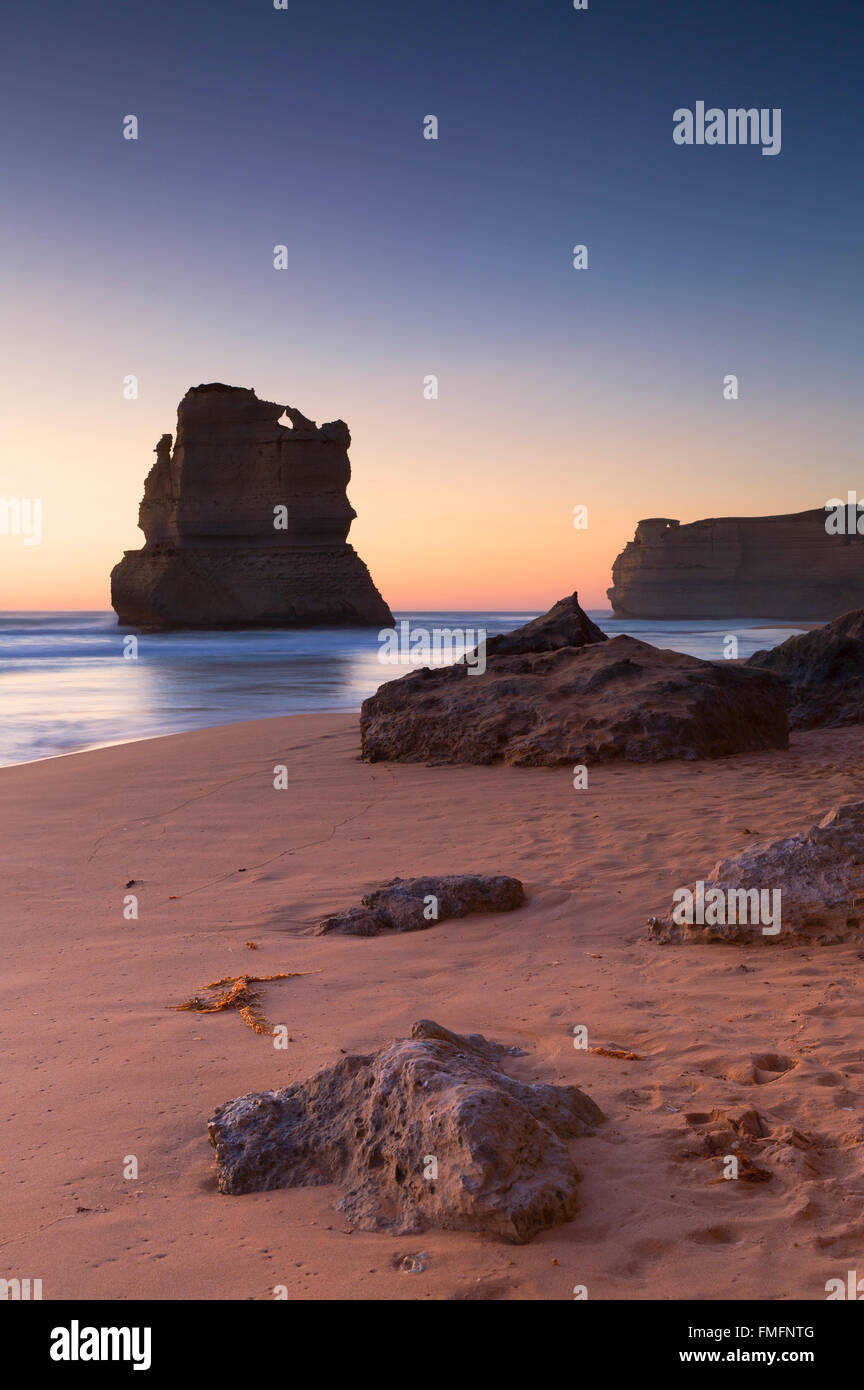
405, 904
824, 673
543, 700
565, 625
373, 1125
738, 567
217, 552
820, 875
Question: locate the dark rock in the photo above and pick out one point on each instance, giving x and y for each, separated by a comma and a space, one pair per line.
824, 672
820, 877
565, 625
591, 701
402, 906
374, 1124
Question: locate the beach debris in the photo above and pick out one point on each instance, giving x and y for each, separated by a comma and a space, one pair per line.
748, 1171
413, 904
429, 1131
237, 992
823, 671
410, 1264
804, 888
557, 691
619, 1052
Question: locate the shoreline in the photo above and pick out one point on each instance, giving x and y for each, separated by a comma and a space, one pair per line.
176, 733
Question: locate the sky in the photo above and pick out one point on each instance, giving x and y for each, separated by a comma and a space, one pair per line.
558, 388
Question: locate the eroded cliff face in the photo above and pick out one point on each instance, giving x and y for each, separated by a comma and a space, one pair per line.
245, 523
784, 567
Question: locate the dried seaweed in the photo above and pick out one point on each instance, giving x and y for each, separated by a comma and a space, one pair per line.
237, 992
619, 1052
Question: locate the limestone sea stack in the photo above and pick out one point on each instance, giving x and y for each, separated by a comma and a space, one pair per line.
739, 567
245, 523
559, 691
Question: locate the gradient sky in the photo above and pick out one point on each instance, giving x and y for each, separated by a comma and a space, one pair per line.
407, 257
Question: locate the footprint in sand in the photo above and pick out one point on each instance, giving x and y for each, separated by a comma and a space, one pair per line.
762, 1068
648, 1252
635, 1099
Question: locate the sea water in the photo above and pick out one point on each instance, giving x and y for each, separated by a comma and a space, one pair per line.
68, 681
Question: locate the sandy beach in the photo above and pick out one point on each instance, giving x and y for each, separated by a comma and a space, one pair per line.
99, 1067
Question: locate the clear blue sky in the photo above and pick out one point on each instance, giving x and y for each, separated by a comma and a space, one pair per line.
407, 256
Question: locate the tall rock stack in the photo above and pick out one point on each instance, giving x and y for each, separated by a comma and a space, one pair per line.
245, 523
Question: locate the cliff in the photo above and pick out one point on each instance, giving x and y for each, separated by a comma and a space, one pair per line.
785, 567
245, 523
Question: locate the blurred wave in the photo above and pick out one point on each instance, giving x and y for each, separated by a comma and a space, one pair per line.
66, 685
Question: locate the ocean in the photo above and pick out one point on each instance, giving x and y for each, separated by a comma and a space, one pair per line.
66, 684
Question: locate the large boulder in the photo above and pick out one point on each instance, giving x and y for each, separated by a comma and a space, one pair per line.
429, 1131
824, 672
558, 691
815, 879
412, 904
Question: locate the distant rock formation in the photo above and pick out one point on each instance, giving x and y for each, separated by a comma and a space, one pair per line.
739, 567
820, 877
246, 523
372, 1124
823, 671
413, 904
590, 700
